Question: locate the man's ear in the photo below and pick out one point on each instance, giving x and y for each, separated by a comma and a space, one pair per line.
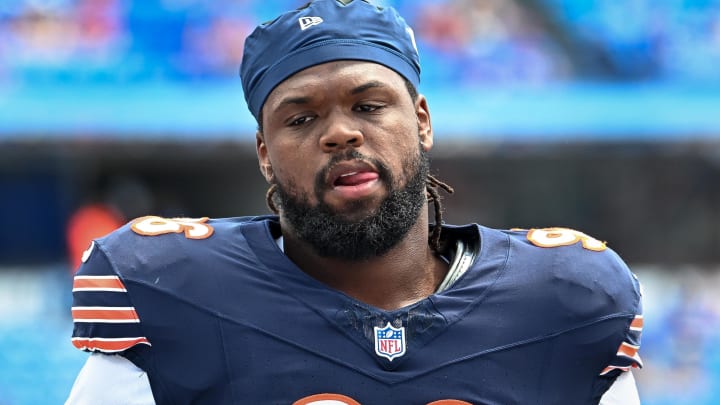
263, 158
424, 123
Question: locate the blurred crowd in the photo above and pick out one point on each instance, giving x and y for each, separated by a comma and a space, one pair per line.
645, 39
682, 311
465, 42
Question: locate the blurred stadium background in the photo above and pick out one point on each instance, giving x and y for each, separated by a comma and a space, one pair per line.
598, 115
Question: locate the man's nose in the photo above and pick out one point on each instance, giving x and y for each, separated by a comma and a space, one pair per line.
341, 134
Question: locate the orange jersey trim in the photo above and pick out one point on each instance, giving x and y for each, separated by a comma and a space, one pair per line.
611, 368
628, 350
637, 323
105, 314
108, 345
98, 283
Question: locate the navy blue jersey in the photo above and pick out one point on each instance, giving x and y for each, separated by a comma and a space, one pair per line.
215, 313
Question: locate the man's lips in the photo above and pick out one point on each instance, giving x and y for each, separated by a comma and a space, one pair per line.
354, 173
352, 180
355, 178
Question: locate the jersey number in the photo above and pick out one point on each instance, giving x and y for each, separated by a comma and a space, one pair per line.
336, 399
194, 228
554, 237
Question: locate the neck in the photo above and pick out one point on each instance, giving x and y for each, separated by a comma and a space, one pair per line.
408, 273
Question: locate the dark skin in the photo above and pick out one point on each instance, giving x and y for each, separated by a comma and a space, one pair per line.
320, 112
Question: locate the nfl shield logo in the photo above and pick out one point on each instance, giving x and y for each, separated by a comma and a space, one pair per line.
389, 341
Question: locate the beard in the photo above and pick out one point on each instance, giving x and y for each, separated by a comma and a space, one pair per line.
334, 235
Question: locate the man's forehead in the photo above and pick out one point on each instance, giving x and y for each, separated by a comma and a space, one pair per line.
350, 74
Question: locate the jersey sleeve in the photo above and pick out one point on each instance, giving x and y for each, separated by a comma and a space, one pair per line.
104, 318
627, 355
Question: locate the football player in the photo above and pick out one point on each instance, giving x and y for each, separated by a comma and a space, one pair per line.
350, 294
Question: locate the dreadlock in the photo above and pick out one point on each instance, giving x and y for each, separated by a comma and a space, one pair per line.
432, 184
269, 198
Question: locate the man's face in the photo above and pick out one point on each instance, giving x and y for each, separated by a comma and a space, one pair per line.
346, 146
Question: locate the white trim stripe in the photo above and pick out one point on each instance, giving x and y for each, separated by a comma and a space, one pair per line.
611, 368
104, 308
99, 320
97, 277
99, 289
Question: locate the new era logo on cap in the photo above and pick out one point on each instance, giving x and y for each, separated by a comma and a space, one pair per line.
307, 22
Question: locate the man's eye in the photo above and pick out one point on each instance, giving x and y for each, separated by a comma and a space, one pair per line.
302, 120
367, 108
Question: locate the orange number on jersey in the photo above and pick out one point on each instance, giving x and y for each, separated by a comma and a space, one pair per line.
194, 228
554, 237
337, 399
326, 399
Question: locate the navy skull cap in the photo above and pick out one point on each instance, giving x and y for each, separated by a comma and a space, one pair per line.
325, 31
